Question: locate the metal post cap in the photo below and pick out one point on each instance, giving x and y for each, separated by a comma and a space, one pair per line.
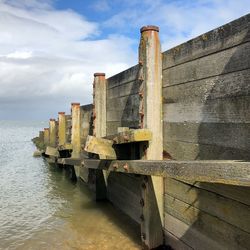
61, 113
75, 103
99, 74
150, 27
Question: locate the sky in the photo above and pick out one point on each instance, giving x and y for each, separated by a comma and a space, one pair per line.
50, 49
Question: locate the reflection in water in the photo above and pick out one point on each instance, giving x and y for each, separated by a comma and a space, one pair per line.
41, 209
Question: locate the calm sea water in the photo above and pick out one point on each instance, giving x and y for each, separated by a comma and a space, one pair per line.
40, 208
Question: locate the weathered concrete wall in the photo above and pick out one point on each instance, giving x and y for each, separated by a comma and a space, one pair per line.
206, 94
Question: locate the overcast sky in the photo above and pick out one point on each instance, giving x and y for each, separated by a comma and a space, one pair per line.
49, 50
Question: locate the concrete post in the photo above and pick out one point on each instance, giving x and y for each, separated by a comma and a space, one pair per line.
61, 128
76, 127
52, 133
150, 58
46, 137
99, 115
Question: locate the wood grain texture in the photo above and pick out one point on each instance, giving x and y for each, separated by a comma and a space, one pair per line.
223, 62
211, 203
226, 36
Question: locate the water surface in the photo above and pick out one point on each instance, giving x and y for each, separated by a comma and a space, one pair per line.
40, 208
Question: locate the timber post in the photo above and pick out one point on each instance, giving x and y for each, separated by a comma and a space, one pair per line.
46, 137
150, 60
99, 121
52, 133
61, 128
76, 129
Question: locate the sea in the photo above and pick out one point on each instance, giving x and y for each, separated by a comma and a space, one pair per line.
41, 208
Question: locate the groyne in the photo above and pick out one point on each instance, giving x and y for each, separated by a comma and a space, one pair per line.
167, 141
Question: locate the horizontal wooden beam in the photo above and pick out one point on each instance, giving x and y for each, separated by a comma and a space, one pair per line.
66, 146
131, 135
100, 146
69, 161
226, 172
51, 151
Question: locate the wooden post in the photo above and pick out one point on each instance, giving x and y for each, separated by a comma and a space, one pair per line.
75, 133
41, 136
46, 137
52, 133
61, 128
99, 101
150, 59
99, 113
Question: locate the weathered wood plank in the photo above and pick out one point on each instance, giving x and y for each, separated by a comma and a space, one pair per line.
181, 150
236, 193
211, 203
226, 61
123, 77
235, 84
132, 135
226, 36
201, 230
70, 161
231, 135
129, 88
227, 172
51, 151
174, 242
100, 146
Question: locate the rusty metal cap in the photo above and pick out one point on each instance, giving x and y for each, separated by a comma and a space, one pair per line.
61, 113
46, 128
52, 119
149, 27
99, 74
75, 104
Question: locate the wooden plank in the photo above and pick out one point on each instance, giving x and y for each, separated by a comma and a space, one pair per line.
174, 242
124, 108
126, 89
66, 146
100, 146
234, 84
228, 135
123, 77
184, 151
226, 172
71, 161
211, 203
200, 230
237, 193
127, 198
226, 36
226, 61
132, 135
51, 151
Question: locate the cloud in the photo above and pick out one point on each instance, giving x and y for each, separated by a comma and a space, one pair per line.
178, 20
47, 54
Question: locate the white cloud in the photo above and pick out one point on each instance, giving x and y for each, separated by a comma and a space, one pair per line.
51, 54
178, 20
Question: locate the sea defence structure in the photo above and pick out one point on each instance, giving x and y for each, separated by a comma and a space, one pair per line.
167, 141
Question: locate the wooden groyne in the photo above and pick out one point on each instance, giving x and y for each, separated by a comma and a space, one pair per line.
167, 141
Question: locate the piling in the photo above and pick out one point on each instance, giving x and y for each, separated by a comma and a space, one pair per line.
99, 121
151, 118
61, 128
75, 132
